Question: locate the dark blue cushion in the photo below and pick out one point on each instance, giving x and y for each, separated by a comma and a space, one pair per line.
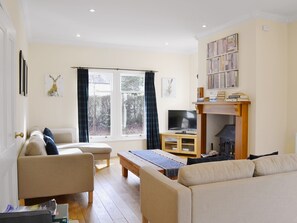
191, 161
252, 157
51, 148
48, 133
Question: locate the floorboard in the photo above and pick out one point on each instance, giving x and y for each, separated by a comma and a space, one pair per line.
116, 199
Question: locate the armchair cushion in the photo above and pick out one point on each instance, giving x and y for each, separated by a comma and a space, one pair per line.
51, 148
35, 146
191, 161
252, 157
48, 133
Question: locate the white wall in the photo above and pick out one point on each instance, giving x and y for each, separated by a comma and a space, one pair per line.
271, 87
58, 59
292, 90
262, 75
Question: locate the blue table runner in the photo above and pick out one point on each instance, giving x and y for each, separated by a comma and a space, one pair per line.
170, 166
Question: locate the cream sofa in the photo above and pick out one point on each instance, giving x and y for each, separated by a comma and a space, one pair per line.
66, 139
42, 175
238, 191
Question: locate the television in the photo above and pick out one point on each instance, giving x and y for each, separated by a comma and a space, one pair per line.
182, 120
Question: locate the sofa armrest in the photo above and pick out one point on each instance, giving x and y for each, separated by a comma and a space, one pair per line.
64, 135
163, 199
42, 176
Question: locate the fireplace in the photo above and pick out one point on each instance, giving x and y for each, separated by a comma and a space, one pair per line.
227, 140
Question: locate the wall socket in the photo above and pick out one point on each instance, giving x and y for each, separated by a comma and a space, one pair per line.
265, 28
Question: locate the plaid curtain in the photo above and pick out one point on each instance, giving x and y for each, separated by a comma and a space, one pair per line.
152, 123
82, 101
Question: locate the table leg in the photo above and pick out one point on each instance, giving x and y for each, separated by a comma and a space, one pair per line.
124, 172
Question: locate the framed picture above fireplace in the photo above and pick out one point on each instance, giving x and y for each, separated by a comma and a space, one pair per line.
222, 63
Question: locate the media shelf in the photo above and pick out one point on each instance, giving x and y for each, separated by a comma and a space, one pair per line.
182, 144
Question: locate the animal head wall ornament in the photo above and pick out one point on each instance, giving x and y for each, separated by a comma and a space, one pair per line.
169, 88
53, 91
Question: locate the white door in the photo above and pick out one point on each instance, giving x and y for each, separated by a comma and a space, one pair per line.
8, 150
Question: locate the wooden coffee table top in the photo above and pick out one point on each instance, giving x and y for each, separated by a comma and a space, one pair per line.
133, 163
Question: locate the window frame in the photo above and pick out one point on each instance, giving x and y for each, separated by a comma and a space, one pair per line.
116, 108
99, 138
133, 74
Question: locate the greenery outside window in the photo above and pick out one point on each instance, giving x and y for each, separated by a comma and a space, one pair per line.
116, 105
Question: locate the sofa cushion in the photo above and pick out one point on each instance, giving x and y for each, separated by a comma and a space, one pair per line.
212, 172
35, 146
252, 157
48, 133
70, 151
87, 147
36, 132
51, 148
191, 161
275, 164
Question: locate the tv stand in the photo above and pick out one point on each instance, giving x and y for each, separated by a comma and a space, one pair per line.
182, 132
180, 144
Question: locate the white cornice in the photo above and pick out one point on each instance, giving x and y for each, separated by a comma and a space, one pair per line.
24, 11
223, 27
270, 16
244, 18
112, 46
293, 18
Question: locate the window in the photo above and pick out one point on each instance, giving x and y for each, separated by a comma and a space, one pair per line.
116, 104
132, 91
99, 104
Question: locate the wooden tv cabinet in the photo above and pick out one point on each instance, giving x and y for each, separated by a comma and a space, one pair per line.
180, 144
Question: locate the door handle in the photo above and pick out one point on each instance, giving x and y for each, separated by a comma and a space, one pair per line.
19, 134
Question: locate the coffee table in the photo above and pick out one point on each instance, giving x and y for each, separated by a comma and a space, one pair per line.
133, 163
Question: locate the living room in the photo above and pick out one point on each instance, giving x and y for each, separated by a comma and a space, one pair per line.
266, 63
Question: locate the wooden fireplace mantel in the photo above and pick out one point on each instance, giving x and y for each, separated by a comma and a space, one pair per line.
238, 109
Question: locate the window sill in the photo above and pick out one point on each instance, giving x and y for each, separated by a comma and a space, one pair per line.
119, 139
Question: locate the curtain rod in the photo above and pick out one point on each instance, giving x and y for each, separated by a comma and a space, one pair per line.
108, 68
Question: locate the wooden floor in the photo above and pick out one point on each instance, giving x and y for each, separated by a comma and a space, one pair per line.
116, 199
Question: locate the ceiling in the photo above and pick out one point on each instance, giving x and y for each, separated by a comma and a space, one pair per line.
169, 25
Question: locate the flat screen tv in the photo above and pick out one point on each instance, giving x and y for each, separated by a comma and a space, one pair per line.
184, 120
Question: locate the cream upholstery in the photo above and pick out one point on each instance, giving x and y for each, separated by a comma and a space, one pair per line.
276, 164
216, 172
35, 146
65, 138
164, 200
41, 175
240, 198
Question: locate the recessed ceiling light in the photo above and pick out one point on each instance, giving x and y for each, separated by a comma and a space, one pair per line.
78, 35
166, 44
203, 26
92, 10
